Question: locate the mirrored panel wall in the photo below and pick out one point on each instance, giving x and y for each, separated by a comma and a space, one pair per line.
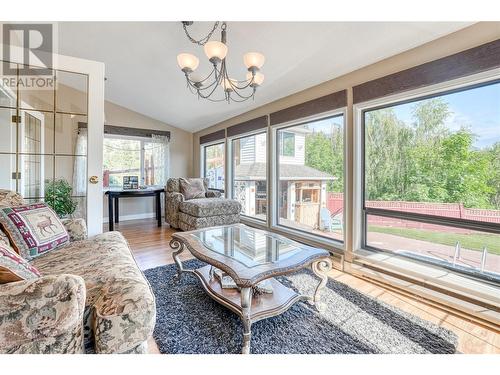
43, 151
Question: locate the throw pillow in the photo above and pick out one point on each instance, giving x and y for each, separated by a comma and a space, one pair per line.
192, 188
4, 239
13, 267
33, 229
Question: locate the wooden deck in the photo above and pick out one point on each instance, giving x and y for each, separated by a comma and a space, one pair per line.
150, 247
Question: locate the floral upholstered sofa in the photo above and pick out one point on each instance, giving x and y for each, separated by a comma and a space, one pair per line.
206, 209
91, 297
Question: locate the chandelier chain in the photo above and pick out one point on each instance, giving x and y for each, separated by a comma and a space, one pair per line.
204, 40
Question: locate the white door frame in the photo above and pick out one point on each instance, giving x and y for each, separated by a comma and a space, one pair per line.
95, 129
22, 130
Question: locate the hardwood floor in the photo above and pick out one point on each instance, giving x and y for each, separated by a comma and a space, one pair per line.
150, 246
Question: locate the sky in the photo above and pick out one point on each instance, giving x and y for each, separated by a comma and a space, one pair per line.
478, 109
324, 125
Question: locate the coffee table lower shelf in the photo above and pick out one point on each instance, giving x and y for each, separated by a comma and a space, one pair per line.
262, 305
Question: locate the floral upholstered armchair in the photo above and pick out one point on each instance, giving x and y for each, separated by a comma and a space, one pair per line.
89, 297
190, 205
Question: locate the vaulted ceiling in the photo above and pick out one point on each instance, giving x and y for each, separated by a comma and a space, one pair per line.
142, 72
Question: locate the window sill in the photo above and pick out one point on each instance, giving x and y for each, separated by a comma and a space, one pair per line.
308, 239
480, 299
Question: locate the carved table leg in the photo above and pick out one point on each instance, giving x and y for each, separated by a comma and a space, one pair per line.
178, 248
321, 269
246, 303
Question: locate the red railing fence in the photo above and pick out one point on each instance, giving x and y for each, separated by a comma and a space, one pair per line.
335, 201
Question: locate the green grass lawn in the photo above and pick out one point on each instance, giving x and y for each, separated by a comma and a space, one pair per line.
474, 241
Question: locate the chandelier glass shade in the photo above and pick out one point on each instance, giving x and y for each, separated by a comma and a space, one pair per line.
217, 85
215, 51
187, 62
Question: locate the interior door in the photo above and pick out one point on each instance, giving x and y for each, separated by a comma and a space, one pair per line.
44, 150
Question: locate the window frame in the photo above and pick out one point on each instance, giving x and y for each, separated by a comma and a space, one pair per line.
230, 168
280, 228
203, 167
361, 212
142, 141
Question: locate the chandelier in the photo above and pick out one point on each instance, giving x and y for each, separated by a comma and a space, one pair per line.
218, 86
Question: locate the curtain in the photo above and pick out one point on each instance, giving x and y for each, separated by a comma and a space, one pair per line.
161, 158
80, 172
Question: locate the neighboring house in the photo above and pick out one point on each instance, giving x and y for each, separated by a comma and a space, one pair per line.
302, 191
216, 177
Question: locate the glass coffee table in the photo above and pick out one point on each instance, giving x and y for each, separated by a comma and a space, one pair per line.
250, 256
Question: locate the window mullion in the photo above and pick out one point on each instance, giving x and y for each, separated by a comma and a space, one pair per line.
143, 170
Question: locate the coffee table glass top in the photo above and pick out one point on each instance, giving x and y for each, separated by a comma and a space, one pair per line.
248, 246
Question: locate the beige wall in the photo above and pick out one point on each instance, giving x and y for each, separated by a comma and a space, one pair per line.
181, 153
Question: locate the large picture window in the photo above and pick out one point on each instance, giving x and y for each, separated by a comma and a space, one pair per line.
250, 174
142, 157
213, 165
432, 179
310, 170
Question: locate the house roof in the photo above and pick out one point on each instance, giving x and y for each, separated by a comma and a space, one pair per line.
257, 171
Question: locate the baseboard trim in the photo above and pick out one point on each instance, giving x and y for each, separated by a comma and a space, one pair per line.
147, 215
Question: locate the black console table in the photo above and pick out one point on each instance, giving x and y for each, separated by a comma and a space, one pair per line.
116, 194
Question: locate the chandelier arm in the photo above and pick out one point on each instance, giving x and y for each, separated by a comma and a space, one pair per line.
235, 87
201, 88
248, 83
237, 92
227, 97
217, 75
217, 100
191, 85
213, 90
212, 100
194, 90
191, 89
206, 87
206, 78
243, 96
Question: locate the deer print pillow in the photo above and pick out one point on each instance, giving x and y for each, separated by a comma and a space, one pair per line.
33, 229
13, 267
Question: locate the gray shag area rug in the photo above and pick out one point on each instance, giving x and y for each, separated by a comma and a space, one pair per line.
190, 322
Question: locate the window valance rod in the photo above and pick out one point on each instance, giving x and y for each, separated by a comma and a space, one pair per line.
127, 131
